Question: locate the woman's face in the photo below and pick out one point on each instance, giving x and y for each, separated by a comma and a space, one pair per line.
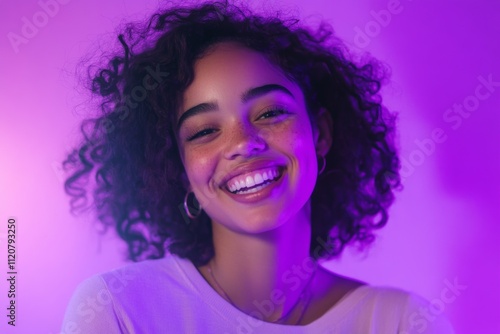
248, 147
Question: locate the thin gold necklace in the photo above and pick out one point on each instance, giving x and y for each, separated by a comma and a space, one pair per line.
305, 295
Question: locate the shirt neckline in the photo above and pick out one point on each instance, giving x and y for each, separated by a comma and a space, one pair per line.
221, 306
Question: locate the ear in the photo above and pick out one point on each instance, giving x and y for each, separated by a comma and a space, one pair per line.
322, 132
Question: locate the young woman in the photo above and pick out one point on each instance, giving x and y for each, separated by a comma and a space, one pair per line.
232, 154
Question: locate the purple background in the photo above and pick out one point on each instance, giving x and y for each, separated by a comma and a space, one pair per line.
444, 226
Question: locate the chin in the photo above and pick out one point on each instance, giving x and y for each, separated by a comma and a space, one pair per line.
260, 222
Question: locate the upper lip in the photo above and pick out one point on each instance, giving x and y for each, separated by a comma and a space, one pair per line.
246, 168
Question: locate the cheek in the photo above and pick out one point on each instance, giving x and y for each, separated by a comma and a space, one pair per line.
199, 166
299, 137
303, 149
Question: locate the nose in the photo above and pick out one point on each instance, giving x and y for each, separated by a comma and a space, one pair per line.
245, 141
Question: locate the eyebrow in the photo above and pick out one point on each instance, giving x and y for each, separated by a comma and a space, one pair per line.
250, 94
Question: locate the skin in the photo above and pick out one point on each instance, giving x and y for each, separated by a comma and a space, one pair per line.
261, 246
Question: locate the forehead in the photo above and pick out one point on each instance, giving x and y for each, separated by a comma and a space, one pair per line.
229, 69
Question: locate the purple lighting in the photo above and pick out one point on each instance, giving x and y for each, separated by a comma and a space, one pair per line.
442, 237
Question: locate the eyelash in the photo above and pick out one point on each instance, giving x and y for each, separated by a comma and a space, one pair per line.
277, 110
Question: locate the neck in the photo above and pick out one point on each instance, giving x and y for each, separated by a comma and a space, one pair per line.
265, 272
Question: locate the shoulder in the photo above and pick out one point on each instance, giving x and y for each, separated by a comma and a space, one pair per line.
130, 276
140, 274
99, 303
385, 294
91, 309
395, 309
412, 312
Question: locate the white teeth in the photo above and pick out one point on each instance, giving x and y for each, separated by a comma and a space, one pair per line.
250, 182
259, 179
253, 190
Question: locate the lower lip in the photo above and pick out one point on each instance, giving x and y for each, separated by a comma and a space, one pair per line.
258, 195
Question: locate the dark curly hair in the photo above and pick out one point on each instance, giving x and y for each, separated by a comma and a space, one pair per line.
131, 147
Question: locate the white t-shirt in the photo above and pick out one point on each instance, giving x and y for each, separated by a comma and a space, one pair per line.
169, 295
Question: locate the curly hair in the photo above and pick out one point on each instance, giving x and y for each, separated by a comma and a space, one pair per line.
140, 181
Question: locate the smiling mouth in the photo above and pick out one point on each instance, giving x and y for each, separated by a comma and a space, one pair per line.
259, 184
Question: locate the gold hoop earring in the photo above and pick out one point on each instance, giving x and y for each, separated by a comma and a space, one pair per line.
186, 207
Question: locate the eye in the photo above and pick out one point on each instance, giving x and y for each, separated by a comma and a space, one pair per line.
201, 133
273, 112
